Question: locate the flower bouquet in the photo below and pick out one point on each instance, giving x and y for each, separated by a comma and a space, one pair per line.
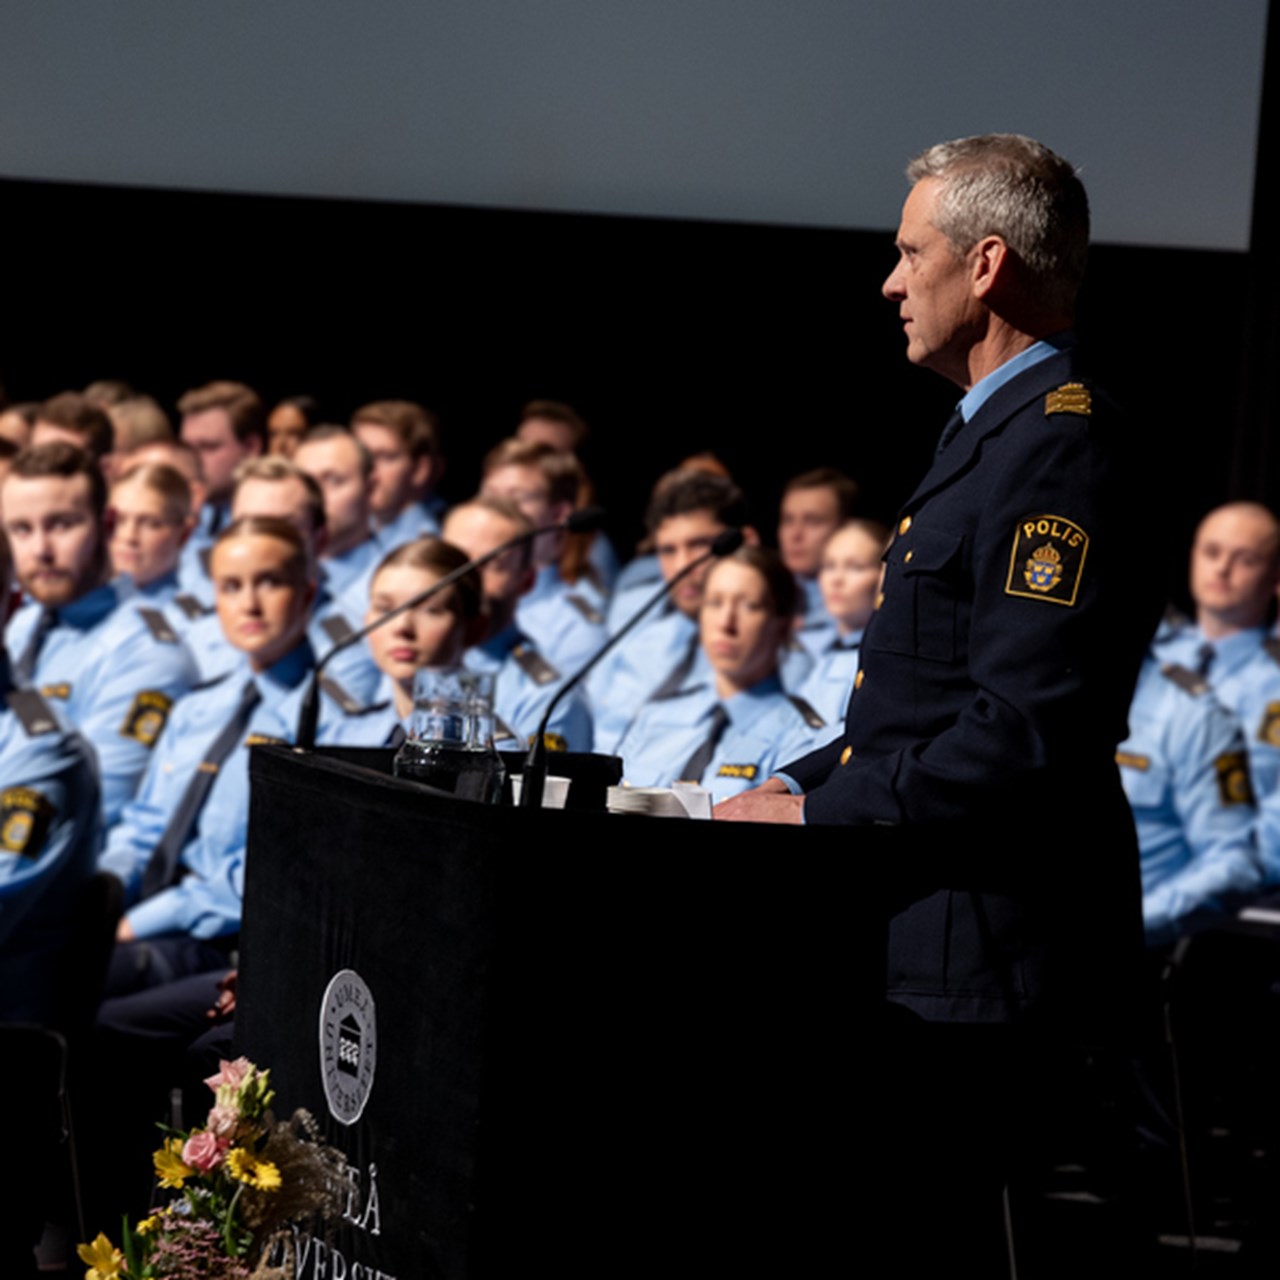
238, 1183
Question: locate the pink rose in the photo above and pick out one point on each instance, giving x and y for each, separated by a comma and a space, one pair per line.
203, 1151
223, 1121
230, 1073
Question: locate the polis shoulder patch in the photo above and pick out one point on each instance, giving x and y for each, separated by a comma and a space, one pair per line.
146, 716
1232, 768
554, 741
1269, 729
25, 816
1047, 561
1071, 397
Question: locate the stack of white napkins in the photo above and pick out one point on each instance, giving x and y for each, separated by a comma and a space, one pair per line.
684, 800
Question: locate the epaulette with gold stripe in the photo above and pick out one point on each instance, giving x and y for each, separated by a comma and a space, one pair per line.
1071, 397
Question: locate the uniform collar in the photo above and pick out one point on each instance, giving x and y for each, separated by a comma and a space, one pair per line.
1233, 651
1002, 404
285, 674
90, 609
745, 708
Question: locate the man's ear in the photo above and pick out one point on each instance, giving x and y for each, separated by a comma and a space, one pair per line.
989, 264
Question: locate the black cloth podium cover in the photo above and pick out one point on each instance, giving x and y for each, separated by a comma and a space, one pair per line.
576, 1042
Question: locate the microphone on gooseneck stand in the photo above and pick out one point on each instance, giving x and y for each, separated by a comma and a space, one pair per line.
535, 766
308, 717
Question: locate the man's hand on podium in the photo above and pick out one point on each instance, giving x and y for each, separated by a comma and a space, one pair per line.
769, 802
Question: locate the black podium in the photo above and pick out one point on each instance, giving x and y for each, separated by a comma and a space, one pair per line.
572, 1041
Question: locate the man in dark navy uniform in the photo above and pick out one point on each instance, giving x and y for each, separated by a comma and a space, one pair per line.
1019, 594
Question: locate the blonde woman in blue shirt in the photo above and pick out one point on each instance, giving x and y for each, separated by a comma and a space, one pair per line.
728, 733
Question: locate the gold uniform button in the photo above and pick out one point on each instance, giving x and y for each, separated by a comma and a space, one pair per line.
907, 558
858, 679
879, 598
845, 754
904, 524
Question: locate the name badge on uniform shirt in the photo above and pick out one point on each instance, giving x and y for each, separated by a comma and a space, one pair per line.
747, 771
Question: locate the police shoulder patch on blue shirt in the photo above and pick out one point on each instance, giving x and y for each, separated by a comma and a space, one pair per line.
1269, 729
146, 716
25, 815
1047, 561
1232, 768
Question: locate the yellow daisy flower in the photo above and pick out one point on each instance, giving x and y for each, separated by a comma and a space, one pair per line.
169, 1164
260, 1174
102, 1258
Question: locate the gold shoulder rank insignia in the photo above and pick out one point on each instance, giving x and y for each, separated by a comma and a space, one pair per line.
1233, 778
25, 815
1071, 397
1047, 561
554, 742
747, 771
146, 716
1269, 729
264, 740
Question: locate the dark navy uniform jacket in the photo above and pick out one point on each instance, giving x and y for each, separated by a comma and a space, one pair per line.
1021, 587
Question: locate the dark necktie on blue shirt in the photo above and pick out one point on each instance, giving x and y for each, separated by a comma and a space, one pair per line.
161, 870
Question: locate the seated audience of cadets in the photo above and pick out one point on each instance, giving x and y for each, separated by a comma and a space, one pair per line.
343, 469
562, 427
563, 612
850, 583
224, 423
688, 511
525, 682
150, 518
814, 505
179, 847
1235, 567
1185, 772
274, 487
50, 832
732, 740
433, 634
114, 668
403, 439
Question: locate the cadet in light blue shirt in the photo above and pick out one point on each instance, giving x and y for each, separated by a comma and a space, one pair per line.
1185, 773
114, 669
688, 511
525, 682
849, 579
277, 488
730, 737
179, 849
50, 832
563, 612
1235, 568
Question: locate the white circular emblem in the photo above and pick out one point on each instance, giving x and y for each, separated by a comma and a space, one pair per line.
348, 1045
